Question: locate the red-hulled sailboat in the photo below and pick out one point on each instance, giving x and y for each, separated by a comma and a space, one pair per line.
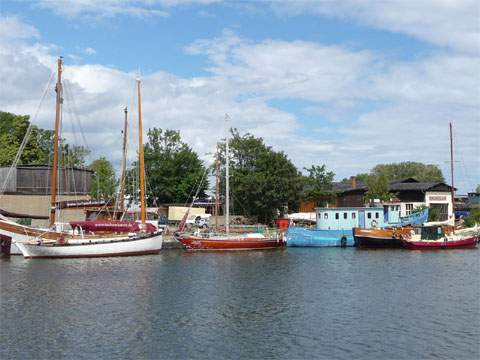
227, 241
434, 237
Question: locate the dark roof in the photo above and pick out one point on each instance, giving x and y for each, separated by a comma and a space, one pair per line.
347, 185
409, 184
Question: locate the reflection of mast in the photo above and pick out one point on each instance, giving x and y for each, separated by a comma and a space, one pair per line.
141, 159
119, 206
54, 173
217, 188
227, 181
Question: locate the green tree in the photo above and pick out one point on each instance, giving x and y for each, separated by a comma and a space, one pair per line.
473, 218
477, 190
172, 168
262, 180
398, 171
103, 179
39, 145
378, 188
318, 185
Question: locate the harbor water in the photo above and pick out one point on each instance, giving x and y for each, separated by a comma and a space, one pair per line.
296, 303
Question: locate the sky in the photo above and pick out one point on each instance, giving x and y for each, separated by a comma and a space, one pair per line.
349, 84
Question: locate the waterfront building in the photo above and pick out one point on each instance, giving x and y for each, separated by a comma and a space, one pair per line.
409, 194
27, 193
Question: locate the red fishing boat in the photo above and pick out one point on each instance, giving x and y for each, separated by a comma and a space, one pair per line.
433, 237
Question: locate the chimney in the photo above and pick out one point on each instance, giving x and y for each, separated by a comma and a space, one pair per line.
353, 181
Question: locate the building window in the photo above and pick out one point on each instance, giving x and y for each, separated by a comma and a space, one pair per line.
369, 215
345, 215
353, 215
376, 215
408, 209
325, 216
337, 216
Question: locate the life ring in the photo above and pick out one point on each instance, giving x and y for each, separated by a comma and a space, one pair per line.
374, 223
343, 241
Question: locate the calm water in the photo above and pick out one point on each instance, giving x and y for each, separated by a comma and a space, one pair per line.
288, 304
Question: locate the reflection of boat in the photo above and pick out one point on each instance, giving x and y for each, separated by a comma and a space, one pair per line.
380, 238
53, 244
434, 237
227, 241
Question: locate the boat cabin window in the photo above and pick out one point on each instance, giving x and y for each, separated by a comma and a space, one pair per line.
345, 215
369, 215
353, 215
325, 216
377, 215
337, 216
431, 232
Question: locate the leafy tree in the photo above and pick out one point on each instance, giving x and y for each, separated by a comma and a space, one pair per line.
39, 145
378, 188
103, 179
473, 218
477, 190
172, 168
361, 177
262, 180
398, 171
318, 184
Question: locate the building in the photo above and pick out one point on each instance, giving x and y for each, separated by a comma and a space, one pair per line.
27, 192
409, 194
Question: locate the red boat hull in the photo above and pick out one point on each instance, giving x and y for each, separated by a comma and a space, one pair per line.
200, 243
468, 243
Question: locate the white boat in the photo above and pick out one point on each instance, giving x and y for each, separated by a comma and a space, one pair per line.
77, 248
40, 243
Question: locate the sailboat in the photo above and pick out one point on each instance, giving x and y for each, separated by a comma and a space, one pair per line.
433, 236
227, 241
38, 243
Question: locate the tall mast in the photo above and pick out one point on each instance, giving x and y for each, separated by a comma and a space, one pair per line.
54, 172
143, 211
227, 180
120, 200
217, 188
451, 172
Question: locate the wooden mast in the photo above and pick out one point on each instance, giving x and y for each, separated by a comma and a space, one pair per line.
143, 209
217, 188
121, 192
451, 172
54, 172
227, 180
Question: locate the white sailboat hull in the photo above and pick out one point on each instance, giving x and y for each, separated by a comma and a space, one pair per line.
102, 248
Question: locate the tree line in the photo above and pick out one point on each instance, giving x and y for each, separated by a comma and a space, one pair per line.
263, 180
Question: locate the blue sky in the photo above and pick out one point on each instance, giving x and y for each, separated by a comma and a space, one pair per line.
347, 84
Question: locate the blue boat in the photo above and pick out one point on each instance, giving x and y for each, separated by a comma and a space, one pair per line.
335, 225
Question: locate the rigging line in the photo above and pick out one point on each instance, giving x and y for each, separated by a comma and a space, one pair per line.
26, 136
76, 117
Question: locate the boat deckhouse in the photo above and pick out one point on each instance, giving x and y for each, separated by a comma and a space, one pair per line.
409, 194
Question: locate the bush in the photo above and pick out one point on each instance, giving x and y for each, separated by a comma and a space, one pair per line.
473, 218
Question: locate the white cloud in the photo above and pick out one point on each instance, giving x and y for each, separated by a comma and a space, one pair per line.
362, 110
89, 51
113, 8
453, 23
